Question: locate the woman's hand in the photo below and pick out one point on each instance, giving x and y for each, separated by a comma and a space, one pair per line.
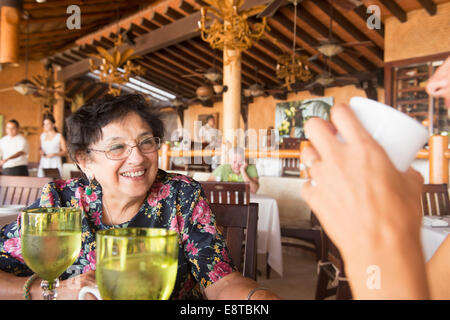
370, 210
243, 168
68, 289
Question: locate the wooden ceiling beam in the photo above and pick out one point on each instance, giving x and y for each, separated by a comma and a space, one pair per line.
160, 19
312, 44
148, 24
395, 9
168, 67
166, 74
82, 82
176, 32
325, 32
173, 14
99, 93
186, 7
351, 29
429, 5
161, 82
64, 4
86, 16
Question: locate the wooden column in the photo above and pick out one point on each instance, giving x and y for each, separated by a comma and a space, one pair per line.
9, 36
58, 111
232, 97
438, 162
165, 157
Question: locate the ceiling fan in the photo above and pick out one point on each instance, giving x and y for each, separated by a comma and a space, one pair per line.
331, 47
211, 74
274, 5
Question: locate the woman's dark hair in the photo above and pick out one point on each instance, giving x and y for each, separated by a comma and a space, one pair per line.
49, 116
15, 122
85, 125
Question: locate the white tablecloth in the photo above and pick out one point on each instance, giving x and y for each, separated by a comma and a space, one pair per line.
432, 237
9, 214
269, 238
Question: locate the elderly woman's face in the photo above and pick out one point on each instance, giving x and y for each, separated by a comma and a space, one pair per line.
236, 162
132, 176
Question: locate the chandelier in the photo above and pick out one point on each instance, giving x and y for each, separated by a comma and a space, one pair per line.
117, 67
293, 68
234, 32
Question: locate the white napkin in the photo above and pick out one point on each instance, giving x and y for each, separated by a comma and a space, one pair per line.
434, 222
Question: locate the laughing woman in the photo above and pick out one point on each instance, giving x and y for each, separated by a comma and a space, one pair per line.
115, 142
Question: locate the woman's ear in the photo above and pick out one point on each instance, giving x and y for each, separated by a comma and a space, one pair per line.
82, 160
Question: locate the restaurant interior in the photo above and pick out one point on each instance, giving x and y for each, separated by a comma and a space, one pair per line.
295, 59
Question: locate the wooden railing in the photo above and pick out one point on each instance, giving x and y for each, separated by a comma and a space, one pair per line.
438, 155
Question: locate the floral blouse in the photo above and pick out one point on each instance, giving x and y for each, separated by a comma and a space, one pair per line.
173, 202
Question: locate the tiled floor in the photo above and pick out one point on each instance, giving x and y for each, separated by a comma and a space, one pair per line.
300, 275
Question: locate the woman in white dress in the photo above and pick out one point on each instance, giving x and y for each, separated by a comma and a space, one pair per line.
53, 146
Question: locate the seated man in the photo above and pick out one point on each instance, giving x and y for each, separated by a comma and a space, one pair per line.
238, 170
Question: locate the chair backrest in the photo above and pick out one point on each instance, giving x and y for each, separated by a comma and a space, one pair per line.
290, 143
435, 200
227, 192
239, 224
52, 173
76, 174
291, 167
21, 190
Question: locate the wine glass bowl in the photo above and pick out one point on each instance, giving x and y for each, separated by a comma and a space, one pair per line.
51, 242
136, 263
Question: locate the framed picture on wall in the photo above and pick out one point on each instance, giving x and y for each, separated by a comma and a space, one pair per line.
290, 116
203, 117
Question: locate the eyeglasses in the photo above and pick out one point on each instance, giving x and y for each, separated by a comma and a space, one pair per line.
119, 150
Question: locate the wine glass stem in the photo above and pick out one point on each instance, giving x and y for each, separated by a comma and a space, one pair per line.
49, 289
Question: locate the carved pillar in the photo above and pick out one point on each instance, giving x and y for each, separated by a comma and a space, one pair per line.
232, 97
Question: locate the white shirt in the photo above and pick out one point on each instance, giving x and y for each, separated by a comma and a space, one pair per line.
12, 145
209, 134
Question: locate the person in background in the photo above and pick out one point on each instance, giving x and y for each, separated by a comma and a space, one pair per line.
371, 211
208, 133
53, 146
237, 170
14, 150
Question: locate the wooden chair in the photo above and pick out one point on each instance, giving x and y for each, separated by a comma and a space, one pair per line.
239, 224
310, 233
290, 143
290, 167
52, 173
21, 190
331, 270
435, 200
227, 192
76, 174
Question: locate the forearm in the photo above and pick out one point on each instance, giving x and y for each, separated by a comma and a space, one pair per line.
15, 155
385, 270
236, 287
254, 185
11, 286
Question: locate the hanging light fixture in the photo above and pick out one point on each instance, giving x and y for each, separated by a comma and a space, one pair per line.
293, 68
234, 32
115, 67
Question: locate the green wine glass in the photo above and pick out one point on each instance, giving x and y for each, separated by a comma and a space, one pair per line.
51, 242
135, 264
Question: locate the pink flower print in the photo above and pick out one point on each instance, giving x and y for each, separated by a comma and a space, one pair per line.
181, 178
96, 217
202, 213
191, 248
177, 224
61, 184
224, 254
13, 247
210, 229
158, 192
92, 261
220, 270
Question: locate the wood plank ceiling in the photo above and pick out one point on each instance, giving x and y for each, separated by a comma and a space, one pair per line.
167, 64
